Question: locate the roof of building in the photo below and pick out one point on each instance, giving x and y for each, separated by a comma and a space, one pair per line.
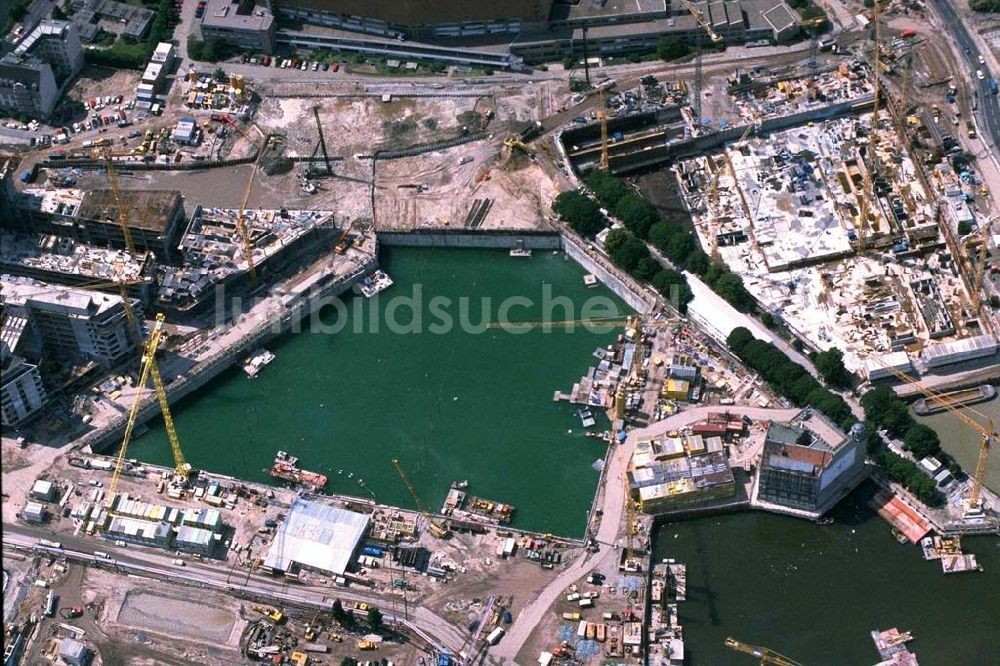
72, 649
194, 536
780, 17
979, 345
224, 14
318, 536
147, 209
23, 291
795, 458
430, 12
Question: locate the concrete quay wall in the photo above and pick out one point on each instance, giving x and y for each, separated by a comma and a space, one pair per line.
502, 239
637, 299
201, 373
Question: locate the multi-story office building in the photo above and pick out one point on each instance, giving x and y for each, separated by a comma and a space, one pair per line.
809, 464
74, 324
39, 68
21, 390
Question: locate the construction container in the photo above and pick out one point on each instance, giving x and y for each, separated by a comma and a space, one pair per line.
495, 636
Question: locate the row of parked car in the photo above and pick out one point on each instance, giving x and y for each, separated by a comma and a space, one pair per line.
293, 63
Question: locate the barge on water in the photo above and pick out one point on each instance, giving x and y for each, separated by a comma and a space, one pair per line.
375, 283
463, 506
256, 362
963, 398
286, 468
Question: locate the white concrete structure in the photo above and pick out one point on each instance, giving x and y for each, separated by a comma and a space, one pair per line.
316, 537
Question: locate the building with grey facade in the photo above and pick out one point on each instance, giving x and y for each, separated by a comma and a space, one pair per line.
38, 68
809, 464
243, 23
22, 394
73, 324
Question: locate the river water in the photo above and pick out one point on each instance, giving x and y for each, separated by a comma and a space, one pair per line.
451, 406
962, 442
813, 593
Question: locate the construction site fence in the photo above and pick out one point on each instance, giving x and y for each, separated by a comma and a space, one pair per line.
151, 166
429, 147
203, 371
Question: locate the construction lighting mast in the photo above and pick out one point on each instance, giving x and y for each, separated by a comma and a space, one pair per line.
765, 655
436, 527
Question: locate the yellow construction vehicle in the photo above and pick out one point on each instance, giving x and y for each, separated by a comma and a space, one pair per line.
272, 614
367, 645
765, 655
436, 526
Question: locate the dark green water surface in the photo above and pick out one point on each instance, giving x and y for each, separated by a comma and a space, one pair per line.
450, 406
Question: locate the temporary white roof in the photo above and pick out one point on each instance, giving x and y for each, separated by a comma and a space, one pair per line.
317, 536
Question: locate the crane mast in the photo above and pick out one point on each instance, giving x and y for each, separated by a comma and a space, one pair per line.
436, 527
765, 655
116, 191
602, 114
986, 432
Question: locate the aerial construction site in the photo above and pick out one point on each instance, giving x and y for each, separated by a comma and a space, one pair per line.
794, 211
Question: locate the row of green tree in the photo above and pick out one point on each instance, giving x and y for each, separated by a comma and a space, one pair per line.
985, 6
884, 408
809, 10
127, 53
625, 248
788, 377
672, 236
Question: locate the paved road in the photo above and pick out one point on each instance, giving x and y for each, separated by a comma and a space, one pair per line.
208, 574
611, 524
989, 104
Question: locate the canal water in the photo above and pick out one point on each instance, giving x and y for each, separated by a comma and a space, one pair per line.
962, 442
813, 593
450, 406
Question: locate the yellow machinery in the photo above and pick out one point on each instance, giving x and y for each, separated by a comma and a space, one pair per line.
272, 614
241, 222
602, 115
512, 142
765, 655
702, 21
986, 432
181, 468
869, 186
109, 165
436, 527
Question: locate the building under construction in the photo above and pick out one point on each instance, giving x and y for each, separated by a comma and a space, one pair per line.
156, 217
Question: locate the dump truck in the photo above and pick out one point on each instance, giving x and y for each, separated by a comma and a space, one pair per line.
272, 614
367, 645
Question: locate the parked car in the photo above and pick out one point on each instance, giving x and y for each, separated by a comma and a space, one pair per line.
326, 66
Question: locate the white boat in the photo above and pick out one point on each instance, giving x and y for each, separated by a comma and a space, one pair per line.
520, 252
376, 282
256, 362
586, 417
460, 485
590, 280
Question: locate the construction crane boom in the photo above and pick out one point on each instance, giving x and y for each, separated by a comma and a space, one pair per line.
109, 166
602, 115
765, 655
149, 368
702, 21
241, 223
986, 432
437, 528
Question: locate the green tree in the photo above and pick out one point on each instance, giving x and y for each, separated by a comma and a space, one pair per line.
646, 269
660, 235
348, 661
883, 408
983, 6
679, 247
607, 188
674, 287
614, 240
738, 339
579, 212
58, 13
637, 214
672, 47
830, 364
219, 74
628, 255
922, 441
374, 619
730, 287
337, 611
698, 261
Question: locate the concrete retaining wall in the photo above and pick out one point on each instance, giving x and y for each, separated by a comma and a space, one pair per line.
532, 240
639, 301
203, 372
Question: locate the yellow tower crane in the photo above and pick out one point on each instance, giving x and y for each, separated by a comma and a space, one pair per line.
109, 166
181, 468
869, 183
602, 115
702, 21
436, 527
241, 222
986, 432
765, 655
